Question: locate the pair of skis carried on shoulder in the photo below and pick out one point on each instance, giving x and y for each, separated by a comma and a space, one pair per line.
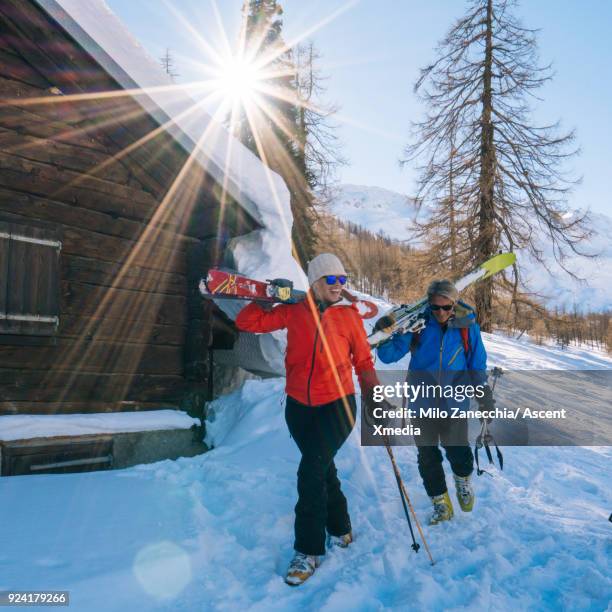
409, 317
224, 284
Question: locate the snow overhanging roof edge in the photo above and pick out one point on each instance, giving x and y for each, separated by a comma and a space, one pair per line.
126, 61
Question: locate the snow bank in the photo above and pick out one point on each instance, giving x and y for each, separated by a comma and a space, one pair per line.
225, 413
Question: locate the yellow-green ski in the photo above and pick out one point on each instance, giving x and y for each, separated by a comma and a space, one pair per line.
492, 266
408, 316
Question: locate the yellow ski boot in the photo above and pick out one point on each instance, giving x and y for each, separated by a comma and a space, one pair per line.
442, 509
465, 492
341, 541
301, 568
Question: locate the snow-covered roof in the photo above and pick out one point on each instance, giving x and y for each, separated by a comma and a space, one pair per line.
254, 186
26, 426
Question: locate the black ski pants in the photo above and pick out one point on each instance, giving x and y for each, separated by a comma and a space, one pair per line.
319, 432
452, 434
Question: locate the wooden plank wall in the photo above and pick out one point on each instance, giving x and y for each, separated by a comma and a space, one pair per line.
126, 238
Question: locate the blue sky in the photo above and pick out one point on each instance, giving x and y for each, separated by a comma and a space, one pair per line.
372, 52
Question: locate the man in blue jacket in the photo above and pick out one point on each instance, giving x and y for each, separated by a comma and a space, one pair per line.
448, 350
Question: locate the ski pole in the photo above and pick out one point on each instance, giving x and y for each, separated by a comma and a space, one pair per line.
406, 501
414, 546
485, 438
496, 373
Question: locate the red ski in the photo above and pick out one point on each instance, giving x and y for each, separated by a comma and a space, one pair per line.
222, 284
225, 284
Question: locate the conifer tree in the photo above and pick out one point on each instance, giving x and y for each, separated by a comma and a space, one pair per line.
167, 63
270, 129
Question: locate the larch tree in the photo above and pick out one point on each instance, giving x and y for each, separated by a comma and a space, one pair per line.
168, 65
319, 151
492, 179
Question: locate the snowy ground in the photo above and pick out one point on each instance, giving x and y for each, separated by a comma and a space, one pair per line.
215, 532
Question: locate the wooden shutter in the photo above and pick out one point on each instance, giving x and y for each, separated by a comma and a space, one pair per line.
29, 279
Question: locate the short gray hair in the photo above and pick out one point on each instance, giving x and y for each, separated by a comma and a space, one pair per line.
443, 287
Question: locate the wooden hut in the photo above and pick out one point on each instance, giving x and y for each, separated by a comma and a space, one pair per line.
109, 215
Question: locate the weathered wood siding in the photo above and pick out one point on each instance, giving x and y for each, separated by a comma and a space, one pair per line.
132, 235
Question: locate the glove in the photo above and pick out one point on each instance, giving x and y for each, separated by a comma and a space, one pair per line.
418, 325
371, 405
281, 288
385, 324
486, 402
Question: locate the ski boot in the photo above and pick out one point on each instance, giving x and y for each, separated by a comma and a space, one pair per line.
465, 492
443, 509
341, 541
301, 568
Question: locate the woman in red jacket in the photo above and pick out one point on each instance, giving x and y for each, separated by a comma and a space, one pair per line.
325, 341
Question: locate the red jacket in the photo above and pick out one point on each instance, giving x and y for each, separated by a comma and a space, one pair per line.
322, 349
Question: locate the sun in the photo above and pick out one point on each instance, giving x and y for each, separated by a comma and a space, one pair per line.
238, 80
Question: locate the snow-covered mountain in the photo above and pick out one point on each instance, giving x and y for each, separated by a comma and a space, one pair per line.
376, 209
393, 213
592, 294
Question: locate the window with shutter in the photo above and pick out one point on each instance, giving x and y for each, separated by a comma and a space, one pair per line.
29, 279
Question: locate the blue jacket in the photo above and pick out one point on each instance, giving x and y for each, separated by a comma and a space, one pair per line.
439, 356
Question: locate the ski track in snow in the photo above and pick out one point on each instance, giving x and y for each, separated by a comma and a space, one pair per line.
215, 532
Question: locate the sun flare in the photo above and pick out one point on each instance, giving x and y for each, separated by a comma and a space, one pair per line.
239, 80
